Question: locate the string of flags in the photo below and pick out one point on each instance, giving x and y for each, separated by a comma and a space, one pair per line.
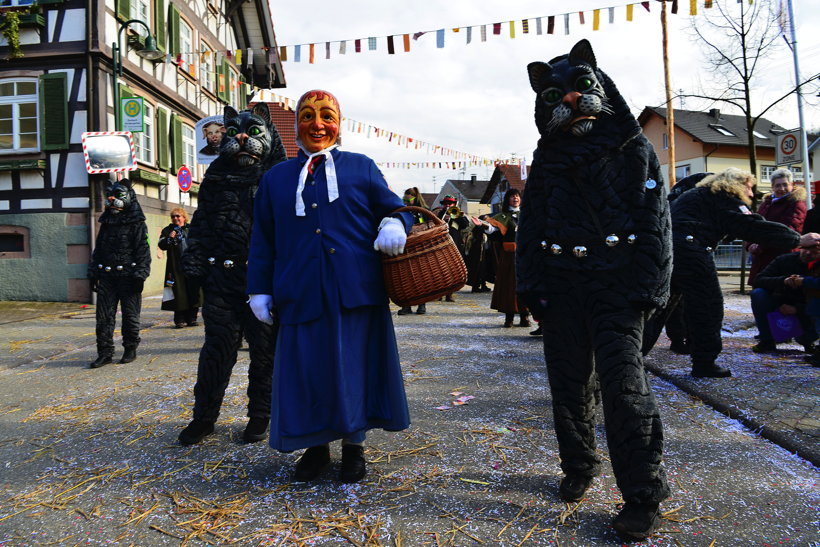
458, 158
549, 24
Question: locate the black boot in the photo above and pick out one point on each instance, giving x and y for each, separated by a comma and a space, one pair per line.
129, 355
637, 520
354, 467
195, 432
573, 487
450, 298
709, 370
312, 463
537, 332
508, 320
101, 361
422, 309
404, 311
256, 430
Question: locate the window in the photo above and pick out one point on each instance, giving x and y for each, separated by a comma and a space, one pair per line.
140, 10
18, 116
665, 141
186, 43
722, 130
766, 172
188, 146
9, 3
144, 142
232, 97
208, 74
758, 135
682, 171
14, 242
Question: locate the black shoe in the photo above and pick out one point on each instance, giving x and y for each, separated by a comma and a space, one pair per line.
312, 463
637, 520
507, 324
101, 361
256, 430
179, 325
192, 323
679, 347
195, 432
524, 323
354, 466
573, 487
422, 309
537, 332
710, 370
765, 346
404, 311
450, 298
129, 355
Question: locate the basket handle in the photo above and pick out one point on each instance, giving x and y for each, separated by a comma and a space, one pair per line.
421, 211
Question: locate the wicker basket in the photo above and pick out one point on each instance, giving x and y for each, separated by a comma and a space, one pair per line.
430, 266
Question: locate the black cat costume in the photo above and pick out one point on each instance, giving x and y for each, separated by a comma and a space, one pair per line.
118, 269
217, 257
594, 260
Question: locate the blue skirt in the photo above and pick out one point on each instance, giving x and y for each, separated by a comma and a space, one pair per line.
336, 377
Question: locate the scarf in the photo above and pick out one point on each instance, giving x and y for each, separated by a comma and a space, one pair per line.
330, 173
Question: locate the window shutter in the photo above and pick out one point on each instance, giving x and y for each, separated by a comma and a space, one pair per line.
176, 144
222, 90
163, 151
173, 29
244, 90
124, 9
159, 23
54, 111
232, 86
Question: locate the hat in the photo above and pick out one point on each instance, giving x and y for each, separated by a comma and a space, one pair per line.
447, 198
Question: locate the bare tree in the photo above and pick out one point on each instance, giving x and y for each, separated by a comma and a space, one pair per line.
736, 37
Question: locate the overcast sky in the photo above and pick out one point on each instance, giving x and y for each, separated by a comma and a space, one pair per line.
476, 98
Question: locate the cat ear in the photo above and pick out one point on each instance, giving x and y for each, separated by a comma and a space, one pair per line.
536, 71
229, 114
582, 53
262, 110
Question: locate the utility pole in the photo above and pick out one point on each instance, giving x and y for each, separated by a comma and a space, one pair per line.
670, 108
804, 144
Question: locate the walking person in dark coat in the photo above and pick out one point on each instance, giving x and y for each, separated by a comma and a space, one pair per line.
701, 218
501, 229
478, 257
456, 221
186, 294
786, 205
119, 267
216, 258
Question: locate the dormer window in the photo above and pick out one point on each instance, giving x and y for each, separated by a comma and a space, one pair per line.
722, 130
758, 135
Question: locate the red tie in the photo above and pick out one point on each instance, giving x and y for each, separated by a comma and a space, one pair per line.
313, 163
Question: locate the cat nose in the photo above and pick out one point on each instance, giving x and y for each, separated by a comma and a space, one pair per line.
571, 99
242, 137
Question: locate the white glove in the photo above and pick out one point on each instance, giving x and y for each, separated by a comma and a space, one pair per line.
391, 238
261, 305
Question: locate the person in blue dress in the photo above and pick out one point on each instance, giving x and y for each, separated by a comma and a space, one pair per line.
314, 264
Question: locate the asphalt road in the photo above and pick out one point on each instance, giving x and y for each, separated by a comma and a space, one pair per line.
90, 456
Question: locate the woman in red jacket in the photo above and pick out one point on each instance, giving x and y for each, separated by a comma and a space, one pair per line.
786, 205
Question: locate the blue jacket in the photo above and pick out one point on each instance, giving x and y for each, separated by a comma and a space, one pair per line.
297, 259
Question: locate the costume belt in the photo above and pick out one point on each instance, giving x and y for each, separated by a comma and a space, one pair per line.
226, 263
117, 267
582, 249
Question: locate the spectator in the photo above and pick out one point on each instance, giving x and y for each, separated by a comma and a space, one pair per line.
412, 197
456, 221
478, 257
779, 287
786, 205
312, 264
187, 297
502, 229
119, 267
701, 218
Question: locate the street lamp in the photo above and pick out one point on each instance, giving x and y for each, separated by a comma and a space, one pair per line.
150, 52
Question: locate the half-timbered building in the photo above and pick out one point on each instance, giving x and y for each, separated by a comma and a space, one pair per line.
58, 80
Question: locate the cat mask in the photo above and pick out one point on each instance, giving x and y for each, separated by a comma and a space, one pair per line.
248, 138
570, 93
118, 196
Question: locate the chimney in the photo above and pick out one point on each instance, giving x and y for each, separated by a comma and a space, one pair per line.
473, 179
715, 113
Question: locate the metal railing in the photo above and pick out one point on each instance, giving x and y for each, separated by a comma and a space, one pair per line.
728, 256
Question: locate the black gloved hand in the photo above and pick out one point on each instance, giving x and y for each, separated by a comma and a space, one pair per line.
138, 285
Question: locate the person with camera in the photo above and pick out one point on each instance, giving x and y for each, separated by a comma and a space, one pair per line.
185, 297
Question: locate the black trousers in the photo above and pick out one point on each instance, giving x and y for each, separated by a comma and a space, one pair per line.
592, 346
695, 278
112, 291
227, 317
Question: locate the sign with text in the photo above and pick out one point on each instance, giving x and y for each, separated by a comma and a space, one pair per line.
132, 114
787, 149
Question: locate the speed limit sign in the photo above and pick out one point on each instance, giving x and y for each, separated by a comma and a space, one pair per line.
788, 148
